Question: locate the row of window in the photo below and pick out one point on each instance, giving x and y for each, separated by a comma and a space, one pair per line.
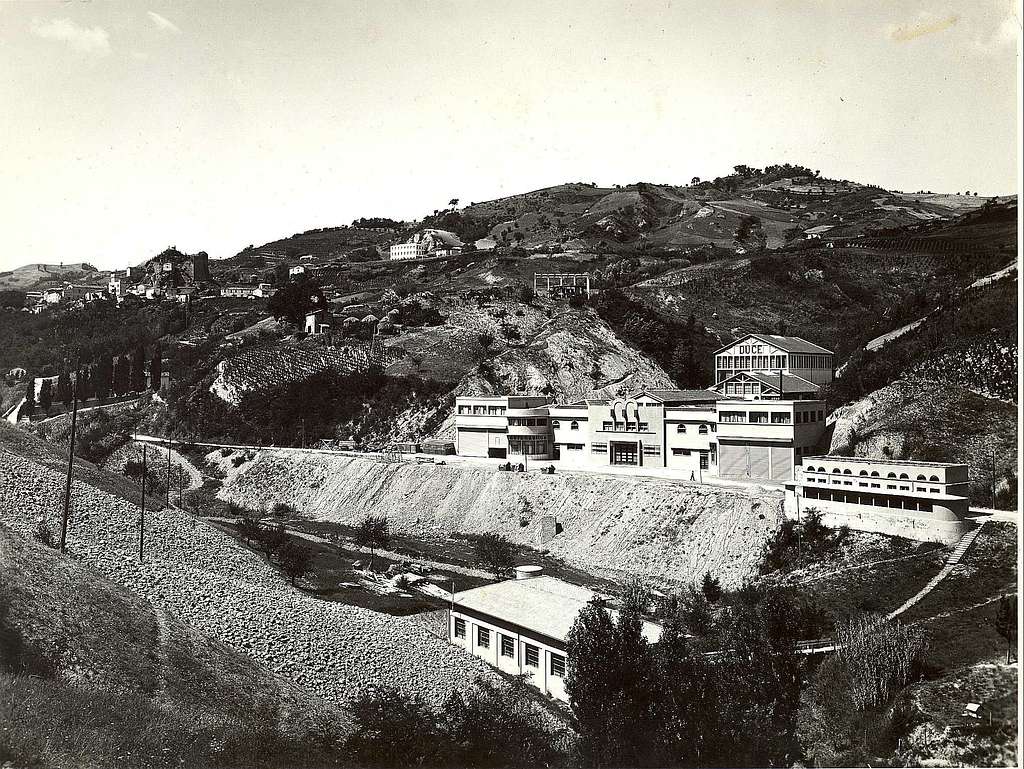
527, 422
507, 644
555, 424
704, 456
628, 427
872, 474
751, 362
869, 499
478, 410
702, 429
773, 417
867, 485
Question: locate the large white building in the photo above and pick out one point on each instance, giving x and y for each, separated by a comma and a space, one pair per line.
520, 626
769, 353
408, 250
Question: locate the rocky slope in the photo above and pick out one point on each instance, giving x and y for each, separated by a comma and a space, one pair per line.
617, 525
204, 579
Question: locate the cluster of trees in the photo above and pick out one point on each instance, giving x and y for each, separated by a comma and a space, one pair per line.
295, 298
377, 221
682, 349
672, 704
798, 543
103, 377
496, 724
294, 559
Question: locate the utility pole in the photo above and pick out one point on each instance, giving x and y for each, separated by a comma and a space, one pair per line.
181, 482
71, 463
142, 504
167, 495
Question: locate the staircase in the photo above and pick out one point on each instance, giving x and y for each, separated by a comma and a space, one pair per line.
951, 561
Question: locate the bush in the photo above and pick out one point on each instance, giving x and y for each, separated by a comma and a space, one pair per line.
283, 510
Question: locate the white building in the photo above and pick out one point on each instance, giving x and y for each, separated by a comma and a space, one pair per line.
770, 353
408, 250
520, 626
915, 500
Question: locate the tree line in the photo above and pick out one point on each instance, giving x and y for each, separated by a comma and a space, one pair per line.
105, 376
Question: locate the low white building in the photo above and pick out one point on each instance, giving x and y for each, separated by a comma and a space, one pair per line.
916, 500
520, 626
408, 250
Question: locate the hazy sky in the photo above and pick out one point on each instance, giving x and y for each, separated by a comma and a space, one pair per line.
127, 127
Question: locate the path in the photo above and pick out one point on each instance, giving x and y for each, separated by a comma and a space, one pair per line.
951, 562
162, 662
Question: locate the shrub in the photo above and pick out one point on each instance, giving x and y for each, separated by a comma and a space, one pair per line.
283, 510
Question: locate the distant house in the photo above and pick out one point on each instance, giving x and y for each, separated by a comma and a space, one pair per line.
408, 251
317, 322
298, 269
238, 291
520, 626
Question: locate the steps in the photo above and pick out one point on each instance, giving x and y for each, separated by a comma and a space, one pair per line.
951, 561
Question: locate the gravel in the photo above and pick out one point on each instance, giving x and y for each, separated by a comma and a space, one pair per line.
210, 582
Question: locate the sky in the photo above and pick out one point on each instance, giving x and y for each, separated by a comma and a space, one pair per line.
126, 127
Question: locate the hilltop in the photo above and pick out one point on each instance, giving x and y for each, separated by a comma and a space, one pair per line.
38, 275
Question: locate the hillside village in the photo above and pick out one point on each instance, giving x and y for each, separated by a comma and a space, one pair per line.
401, 459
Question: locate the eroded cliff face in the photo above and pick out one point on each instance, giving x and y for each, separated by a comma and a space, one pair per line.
615, 525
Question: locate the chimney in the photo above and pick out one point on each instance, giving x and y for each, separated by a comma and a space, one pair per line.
528, 572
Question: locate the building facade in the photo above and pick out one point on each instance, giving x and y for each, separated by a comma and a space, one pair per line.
915, 500
769, 353
519, 626
408, 250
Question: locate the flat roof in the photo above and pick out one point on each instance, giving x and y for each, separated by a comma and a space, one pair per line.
544, 604
908, 462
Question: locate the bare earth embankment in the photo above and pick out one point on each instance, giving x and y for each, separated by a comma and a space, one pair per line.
206, 580
661, 528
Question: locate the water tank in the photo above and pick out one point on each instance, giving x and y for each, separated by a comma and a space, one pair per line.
526, 572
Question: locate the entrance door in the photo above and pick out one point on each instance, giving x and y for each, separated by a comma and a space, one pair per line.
624, 453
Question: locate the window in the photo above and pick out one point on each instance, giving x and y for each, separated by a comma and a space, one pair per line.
904, 477
875, 486
864, 473
460, 627
732, 416
557, 665
555, 424
681, 452
759, 417
532, 656
599, 448
680, 428
483, 637
508, 647
652, 450
891, 475
574, 446
921, 478
934, 479
644, 427
780, 418
703, 429
934, 491
836, 470
890, 485
847, 472
574, 425
874, 473
703, 460
607, 425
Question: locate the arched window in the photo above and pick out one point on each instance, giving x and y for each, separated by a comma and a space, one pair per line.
555, 424
863, 472
680, 428
874, 473
904, 477
836, 470
574, 425
921, 478
703, 429
891, 475
847, 472
934, 478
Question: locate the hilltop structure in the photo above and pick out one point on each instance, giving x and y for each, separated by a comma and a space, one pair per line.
429, 242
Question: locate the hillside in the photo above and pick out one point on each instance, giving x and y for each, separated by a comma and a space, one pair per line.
37, 276
113, 674
225, 591
618, 526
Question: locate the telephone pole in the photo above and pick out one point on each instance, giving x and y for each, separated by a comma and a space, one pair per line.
142, 504
168, 490
71, 463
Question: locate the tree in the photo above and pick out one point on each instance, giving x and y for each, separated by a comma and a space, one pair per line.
83, 382
64, 387
30, 396
273, 539
494, 552
392, 729
610, 685
102, 375
45, 396
296, 560
373, 533
249, 529
486, 340
526, 294
12, 299
122, 379
453, 202
711, 588
156, 369
1006, 623
137, 382
293, 300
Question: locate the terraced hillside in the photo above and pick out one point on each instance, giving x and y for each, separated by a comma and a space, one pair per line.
206, 581
670, 530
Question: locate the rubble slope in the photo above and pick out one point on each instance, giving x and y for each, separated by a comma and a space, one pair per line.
618, 525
